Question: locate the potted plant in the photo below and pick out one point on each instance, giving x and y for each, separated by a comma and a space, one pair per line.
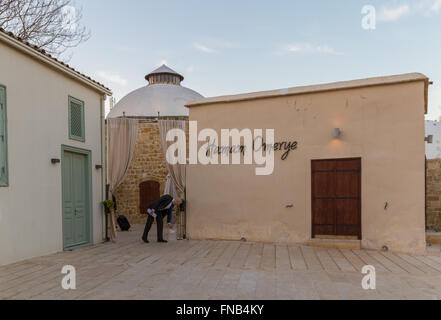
109, 206
182, 206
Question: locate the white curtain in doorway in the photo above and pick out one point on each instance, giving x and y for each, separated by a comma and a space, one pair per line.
177, 171
122, 133
170, 187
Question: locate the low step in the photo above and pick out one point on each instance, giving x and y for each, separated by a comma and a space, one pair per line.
336, 244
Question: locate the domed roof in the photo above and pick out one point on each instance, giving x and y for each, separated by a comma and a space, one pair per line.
163, 95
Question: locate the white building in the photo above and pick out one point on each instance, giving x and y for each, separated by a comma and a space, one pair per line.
433, 150
51, 154
164, 96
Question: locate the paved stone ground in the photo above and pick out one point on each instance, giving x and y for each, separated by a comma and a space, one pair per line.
130, 269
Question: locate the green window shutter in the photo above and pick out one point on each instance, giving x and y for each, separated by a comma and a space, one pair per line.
4, 179
76, 120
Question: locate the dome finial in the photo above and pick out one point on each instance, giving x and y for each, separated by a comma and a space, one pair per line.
164, 75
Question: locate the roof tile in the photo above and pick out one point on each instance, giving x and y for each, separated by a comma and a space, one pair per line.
42, 51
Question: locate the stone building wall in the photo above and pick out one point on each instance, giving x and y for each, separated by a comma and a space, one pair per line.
433, 194
148, 164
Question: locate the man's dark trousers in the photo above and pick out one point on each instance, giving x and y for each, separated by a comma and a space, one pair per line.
159, 225
162, 208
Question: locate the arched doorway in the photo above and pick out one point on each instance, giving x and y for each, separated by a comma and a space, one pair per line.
148, 192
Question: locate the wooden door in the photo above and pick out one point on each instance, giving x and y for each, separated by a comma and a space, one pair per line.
336, 198
148, 193
75, 199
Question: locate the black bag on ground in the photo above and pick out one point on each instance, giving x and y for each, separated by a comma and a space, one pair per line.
123, 223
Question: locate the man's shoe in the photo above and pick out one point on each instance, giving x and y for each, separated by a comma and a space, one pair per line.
145, 240
162, 241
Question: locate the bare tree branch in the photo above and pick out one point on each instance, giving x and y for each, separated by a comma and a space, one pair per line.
52, 25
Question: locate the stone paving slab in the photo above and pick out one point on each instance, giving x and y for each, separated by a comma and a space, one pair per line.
189, 269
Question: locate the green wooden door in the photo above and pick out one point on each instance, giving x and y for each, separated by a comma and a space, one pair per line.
75, 199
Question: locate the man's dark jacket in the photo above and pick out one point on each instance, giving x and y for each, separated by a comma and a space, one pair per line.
160, 205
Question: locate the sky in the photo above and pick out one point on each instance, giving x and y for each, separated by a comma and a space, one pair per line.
237, 46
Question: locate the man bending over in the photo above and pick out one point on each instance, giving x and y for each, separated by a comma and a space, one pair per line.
161, 208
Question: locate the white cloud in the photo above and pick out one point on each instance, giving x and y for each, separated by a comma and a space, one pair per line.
212, 45
427, 7
393, 14
203, 48
309, 48
420, 7
326, 49
299, 47
112, 78
436, 6
190, 68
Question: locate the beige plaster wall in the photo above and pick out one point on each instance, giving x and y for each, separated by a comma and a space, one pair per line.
37, 110
384, 125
